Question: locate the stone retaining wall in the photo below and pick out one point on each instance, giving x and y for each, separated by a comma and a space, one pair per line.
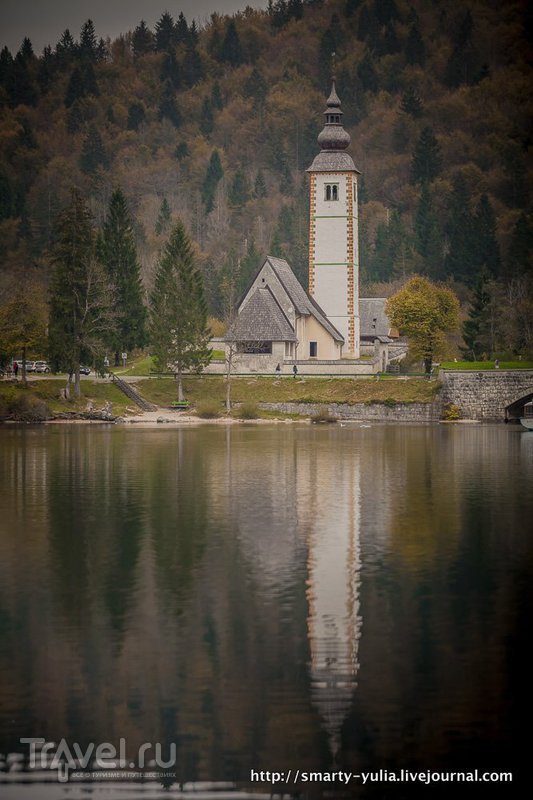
484, 395
379, 412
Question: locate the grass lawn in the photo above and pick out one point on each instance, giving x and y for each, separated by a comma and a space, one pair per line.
278, 390
486, 365
49, 390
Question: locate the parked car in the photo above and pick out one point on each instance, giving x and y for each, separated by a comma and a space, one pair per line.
41, 366
19, 362
85, 370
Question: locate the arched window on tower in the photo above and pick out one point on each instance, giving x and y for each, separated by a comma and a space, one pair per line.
331, 191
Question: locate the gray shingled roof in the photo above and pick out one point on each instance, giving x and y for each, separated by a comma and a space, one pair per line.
371, 308
333, 161
302, 302
261, 319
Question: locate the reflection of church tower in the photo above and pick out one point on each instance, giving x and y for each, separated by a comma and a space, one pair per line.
333, 595
333, 228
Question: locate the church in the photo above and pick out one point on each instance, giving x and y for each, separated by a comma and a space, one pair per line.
329, 329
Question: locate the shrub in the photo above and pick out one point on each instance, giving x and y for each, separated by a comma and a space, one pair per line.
451, 412
248, 410
208, 410
322, 416
4, 411
26, 408
389, 402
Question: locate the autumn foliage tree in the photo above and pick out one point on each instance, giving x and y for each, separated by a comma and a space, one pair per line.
424, 312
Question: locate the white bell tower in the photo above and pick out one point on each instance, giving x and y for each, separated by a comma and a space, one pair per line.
333, 229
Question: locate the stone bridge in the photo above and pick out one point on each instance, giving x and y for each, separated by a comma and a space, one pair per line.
485, 395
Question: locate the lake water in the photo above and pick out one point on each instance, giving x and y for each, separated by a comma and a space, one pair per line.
269, 597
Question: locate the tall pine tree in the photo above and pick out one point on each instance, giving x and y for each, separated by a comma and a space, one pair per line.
178, 321
118, 254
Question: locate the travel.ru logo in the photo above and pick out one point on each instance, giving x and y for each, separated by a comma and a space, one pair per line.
65, 757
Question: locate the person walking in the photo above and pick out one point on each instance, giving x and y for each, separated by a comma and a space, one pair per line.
295, 370
15, 368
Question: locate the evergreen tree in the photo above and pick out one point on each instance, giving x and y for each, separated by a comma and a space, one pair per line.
249, 265
65, 49
178, 321
181, 30
7, 198
88, 46
206, 118
142, 40
216, 97
239, 192
164, 218
427, 162
461, 259
520, 256
194, 36
168, 108
6, 68
386, 11
26, 50
22, 89
486, 247
256, 87
415, 50
181, 151
82, 82
46, 70
330, 42
477, 329
231, 50
81, 299
428, 235
118, 254
367, 74
93, 154
165, 35
411, 103
170, 70
463, 63
136, 116
260, 187
193, 67
212, 178
351, 7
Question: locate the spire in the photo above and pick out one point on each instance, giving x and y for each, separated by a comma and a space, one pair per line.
333, 136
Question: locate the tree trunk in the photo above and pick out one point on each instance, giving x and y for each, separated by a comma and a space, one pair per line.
180, 385
24, 379
77, 386
229, 361
117, 359
427, 366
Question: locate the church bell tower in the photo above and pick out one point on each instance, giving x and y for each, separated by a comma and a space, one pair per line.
333, 228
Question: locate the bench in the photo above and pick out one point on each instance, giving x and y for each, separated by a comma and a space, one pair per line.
179, 405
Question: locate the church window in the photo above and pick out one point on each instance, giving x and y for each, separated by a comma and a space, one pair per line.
331, 191
313, 349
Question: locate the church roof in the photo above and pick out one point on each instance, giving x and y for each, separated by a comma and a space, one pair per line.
303, 304
261, 319
333, 161
374, 321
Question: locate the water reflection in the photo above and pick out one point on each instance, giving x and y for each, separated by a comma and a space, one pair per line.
266, 597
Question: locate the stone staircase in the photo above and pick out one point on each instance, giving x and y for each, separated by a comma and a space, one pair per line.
133, 394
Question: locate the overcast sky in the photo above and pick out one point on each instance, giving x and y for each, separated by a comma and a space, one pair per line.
45, 20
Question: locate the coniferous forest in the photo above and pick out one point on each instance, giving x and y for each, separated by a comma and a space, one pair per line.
214, 126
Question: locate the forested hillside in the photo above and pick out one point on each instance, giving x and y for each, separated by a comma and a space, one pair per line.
216, 126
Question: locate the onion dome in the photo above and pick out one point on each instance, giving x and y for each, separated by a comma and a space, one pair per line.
333, 136
333, 140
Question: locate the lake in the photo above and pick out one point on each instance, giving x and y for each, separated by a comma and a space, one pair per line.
273, 597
